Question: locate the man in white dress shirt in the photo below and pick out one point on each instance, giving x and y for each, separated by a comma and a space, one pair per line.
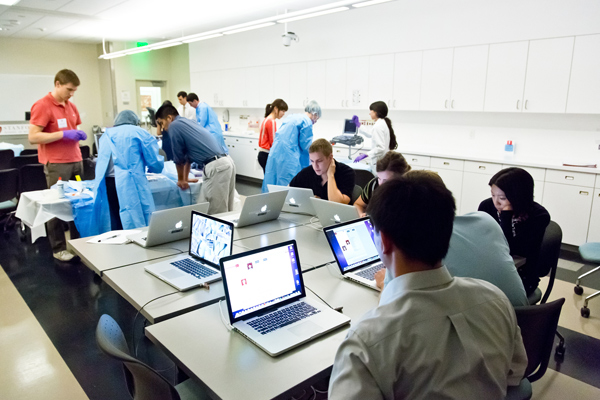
184, 109
432, 336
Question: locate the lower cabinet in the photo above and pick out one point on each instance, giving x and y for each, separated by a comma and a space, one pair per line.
570, 207
594, 229
244, 153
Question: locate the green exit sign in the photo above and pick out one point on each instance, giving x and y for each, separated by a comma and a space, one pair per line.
142, 44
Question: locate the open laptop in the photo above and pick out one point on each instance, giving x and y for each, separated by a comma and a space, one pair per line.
297, 200
267, 303
211, 239
259, 208
354, 250
167, 226
331, 213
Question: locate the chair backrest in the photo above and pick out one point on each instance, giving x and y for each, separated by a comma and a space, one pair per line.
549, 254
5, 156
85, 151
28, 152
32, 178
89, 170
9, 184
538, 325
143, 382
355, 194
362, 177
19, 161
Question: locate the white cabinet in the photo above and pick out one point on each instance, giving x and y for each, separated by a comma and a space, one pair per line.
468, 78
316, 72
594, 229
584, 86
208, 86
436, 79
252, 85
570, 207
475, 188
244, 153
281, 83
407, 81
335, 85
548, 69
451, 172
357, 82
266, 91
505, 83
298, 83
234, 86
381, 78
417, 162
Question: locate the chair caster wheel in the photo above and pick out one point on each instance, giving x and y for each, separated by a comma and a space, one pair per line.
578, 290
585, 312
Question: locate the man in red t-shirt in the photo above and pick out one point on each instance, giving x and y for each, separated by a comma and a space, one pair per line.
53, 127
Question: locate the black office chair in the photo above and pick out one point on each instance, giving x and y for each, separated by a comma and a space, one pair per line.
362, 177
143, 382
28, 152
355, 194
19, 161
9, 186
32, 178
538, 324
89, 170
5, 157
85, 151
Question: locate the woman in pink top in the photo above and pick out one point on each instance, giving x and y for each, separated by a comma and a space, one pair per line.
273, 111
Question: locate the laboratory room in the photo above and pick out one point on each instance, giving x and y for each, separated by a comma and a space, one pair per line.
217, 200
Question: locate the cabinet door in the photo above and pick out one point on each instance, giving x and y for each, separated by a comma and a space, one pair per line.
281, 83
584, 87
469, 72
252, 88
381, 78
335, 85
436, 79
297, 85
407, 81
267, 86
234, 87
594, 230
207, 85
505, 82
475, 189
570, 207
357, 82
453, 181
548, 69
316, 72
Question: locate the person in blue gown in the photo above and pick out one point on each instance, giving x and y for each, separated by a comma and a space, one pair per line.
125, 151
289, 152
207, 118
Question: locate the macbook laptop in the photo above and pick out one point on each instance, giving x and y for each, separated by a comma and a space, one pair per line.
354, 250
167, 226
297, 200
267, 303
331, 213
211, 239
259, 208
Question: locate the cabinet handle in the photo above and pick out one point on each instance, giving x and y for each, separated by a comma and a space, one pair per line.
446, 103
482, 167
584, 193
342, 103
415, 159
517, 104
446, 163
569, 178
452, 104
526, 104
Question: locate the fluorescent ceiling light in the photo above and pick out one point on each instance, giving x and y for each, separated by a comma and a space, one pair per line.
196, 39
369, 3
249, 28
9, 2
136, 50
164, 45
317, 14
109, 56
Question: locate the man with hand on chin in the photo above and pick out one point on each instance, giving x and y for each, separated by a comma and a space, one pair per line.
192, 143
328, 179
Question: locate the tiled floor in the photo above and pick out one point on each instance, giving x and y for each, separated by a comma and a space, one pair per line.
49, 311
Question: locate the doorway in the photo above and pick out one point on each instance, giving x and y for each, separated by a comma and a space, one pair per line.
149, 94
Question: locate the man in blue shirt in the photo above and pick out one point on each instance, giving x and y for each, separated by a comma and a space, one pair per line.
192, 143
207, 118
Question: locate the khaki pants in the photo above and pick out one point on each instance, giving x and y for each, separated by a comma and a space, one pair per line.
54, 227
218, 185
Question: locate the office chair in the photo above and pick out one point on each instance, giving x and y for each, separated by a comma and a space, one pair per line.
32, 178
143, 382
28, 152
538, 324
9, 186
362, 177
89, 170
18, 162
355, 194
85, 151
589, 252
5, 157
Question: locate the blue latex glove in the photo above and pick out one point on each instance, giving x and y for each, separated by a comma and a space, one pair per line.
360, 157
356, 121
74, 134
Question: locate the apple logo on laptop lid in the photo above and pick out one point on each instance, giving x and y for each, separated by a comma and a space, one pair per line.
293, 202
336, 218
263, 210
178, 227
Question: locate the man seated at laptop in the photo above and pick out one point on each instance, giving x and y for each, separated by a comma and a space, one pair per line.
432, 335
391, 165
328, 179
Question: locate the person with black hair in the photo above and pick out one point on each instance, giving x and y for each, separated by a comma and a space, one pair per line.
192, 143
522, 220
207, 118
382, 134
426, 318
274, 111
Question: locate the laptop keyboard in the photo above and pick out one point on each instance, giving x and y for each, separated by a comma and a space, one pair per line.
281, 318
370, 272
194, 268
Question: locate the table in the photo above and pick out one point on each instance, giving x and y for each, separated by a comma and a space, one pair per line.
234, 368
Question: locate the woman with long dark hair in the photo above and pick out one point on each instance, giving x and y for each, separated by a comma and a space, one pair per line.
274, 111
382, 134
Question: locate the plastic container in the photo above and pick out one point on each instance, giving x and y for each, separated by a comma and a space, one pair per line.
60, 187
509, 149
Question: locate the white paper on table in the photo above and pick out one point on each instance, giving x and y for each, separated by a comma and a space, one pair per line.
113, 237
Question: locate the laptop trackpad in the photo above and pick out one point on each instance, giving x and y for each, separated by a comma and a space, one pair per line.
306, 329
172, 274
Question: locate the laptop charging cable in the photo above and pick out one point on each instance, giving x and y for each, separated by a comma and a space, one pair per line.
227, 324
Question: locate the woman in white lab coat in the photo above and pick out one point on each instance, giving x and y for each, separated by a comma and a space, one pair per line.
382, 134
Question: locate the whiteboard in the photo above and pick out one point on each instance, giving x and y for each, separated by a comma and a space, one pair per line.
19, 92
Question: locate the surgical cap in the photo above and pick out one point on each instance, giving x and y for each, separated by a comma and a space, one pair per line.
126, 117
313, 108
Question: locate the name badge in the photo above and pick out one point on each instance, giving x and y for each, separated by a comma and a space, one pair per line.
62, 123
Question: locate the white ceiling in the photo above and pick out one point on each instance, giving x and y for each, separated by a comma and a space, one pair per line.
88, 21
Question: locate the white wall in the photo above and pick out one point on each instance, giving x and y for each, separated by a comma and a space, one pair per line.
427, 24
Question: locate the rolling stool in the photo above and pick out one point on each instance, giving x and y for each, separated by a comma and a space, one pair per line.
589, 252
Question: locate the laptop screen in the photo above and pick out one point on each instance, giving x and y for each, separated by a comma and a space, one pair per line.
211, 239
259, 279
349, 127
352, 244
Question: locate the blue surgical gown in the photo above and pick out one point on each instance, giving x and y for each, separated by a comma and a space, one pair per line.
208, 119
132, 150
289, 152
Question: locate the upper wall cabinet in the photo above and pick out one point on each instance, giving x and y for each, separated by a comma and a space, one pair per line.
407, 81
357, 82
281, 83
381, 79
316, 72
208, 86
436, 79
468, 78
584, 87
507, 64
548, 70
335, 83
298, 81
